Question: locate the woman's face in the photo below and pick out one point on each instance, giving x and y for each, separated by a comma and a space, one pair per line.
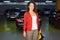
31, 6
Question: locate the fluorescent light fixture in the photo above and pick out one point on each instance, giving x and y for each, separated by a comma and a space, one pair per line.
6, 1
26, 1
48, 1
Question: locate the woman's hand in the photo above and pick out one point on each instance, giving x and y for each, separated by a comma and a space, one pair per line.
39, 31
24, 34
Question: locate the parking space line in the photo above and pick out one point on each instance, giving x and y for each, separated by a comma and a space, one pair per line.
6, 27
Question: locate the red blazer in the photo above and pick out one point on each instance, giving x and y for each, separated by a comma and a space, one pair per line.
28, 21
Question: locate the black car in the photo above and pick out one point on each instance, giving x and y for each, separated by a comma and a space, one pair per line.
12, 13
20, 19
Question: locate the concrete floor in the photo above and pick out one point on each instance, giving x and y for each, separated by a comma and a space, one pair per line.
8, 30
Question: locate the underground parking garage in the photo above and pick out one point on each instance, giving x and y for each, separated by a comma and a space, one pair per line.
12, 19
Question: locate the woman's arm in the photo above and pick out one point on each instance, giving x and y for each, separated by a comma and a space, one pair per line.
25, 23
39, 27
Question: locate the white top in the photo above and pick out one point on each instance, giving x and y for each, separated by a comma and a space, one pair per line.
34, 24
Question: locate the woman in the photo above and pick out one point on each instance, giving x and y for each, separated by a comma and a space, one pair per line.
31, 22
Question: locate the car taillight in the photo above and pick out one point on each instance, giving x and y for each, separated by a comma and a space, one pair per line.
19, 20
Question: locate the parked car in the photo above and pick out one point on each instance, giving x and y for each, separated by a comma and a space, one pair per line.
54, 18
12, 13
46, 11
20, 20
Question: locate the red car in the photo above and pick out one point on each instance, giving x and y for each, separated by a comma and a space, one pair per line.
54, 18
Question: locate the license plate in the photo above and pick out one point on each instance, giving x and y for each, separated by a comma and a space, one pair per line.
12, 17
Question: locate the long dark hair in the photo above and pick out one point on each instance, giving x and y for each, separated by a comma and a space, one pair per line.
27, 8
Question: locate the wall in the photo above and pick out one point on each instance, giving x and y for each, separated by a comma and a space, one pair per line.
5, 7
58, 4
